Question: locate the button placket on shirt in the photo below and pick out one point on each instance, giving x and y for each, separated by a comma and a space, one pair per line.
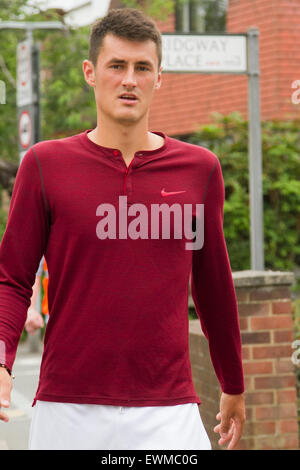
127, 187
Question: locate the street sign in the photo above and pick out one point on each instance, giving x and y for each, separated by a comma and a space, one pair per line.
28, 95
25, 129
210, 53
26, 117
24, 73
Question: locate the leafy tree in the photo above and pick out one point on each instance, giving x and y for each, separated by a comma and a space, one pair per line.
227, 137
158, 9
212, 11
67, 102
214, 15
9, 10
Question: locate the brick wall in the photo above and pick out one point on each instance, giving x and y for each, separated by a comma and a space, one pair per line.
264, 305
186, 101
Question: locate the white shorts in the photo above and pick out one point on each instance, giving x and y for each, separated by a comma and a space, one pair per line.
68, 426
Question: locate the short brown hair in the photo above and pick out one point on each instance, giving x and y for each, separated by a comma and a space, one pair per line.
128, 23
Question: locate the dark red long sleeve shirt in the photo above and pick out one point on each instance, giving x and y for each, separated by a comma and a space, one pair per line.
118, 330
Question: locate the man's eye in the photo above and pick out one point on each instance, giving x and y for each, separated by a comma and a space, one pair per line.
140, 67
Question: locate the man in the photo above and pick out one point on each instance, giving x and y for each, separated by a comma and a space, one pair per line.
115, 370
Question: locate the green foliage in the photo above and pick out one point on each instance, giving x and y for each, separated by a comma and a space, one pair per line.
296, 317
204, 15
67, 102
158, 9
3, 222
3, 217
8, 112
214, 11
227, 137
215, 15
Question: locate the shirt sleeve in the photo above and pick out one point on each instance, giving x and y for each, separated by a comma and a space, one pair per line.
213, 291
21, 249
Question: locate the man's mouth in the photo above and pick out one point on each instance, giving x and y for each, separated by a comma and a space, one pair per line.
128, 98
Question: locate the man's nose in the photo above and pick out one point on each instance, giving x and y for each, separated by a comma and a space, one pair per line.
129, 77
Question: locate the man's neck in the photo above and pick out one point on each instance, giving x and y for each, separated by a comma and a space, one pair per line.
128, 141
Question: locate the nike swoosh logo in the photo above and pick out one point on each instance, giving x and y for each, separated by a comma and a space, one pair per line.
165, 193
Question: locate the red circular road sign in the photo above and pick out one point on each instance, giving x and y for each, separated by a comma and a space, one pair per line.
25, 129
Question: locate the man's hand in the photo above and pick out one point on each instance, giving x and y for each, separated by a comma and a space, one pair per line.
233, 416
5, 389
34, 321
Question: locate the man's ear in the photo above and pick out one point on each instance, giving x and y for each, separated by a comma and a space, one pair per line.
159, 81
158, 84
89, 72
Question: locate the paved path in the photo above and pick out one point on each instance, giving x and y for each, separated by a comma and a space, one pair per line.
14, 434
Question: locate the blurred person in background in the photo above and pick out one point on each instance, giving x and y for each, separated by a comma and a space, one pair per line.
35, 319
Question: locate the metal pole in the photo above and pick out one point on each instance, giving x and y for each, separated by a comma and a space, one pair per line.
255, 153
32, 25
29, 35
36, 87
186, 16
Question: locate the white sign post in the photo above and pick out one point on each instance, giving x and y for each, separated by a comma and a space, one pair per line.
26, 98
24, 73
234, 54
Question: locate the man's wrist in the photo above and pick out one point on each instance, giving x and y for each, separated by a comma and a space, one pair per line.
31, 309
238, 390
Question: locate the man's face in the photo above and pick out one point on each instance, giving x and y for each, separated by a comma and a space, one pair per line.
124, 66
